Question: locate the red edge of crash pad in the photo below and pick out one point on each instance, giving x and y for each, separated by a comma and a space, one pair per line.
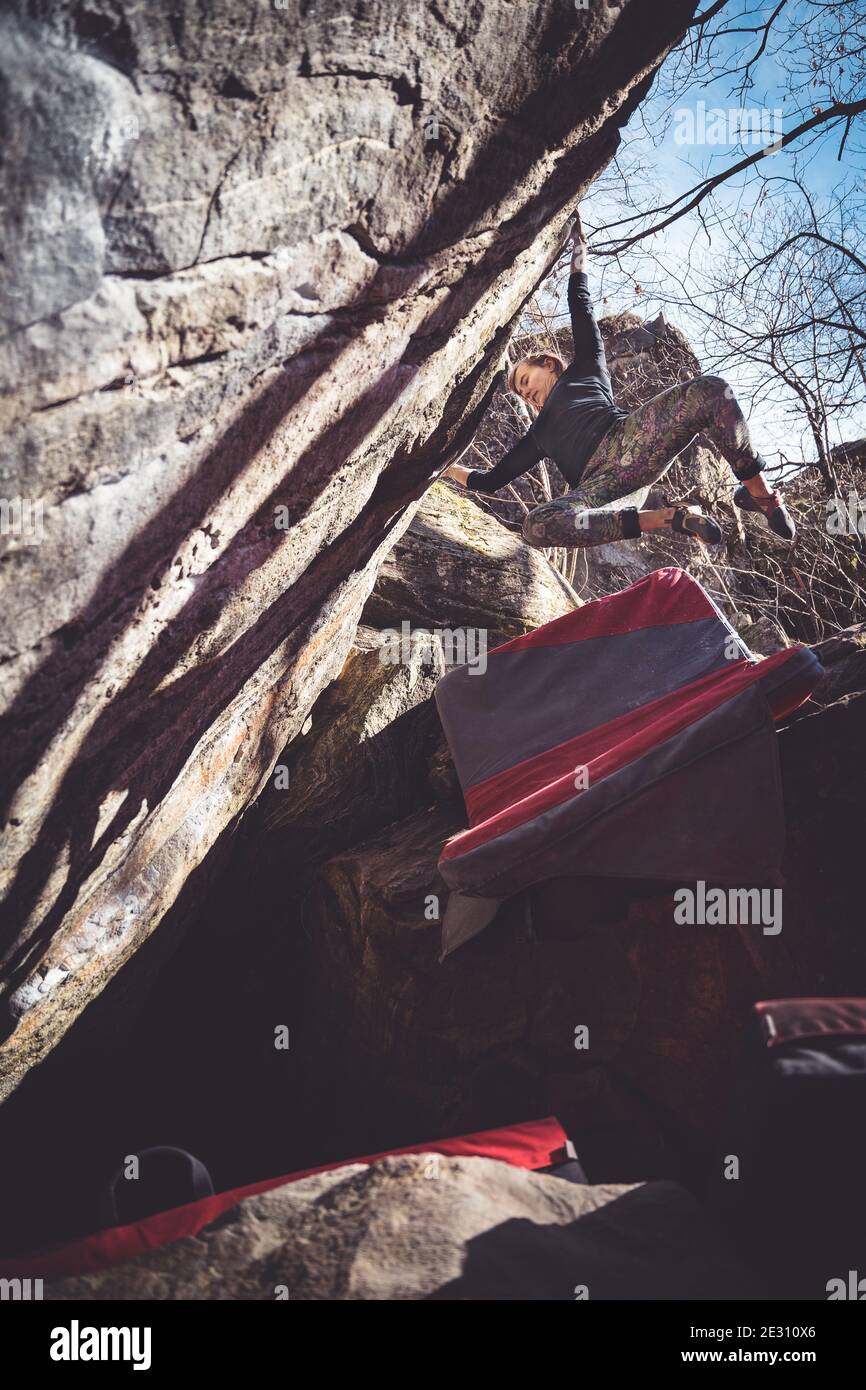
794, 1020
665, 598
525, 790
532, 1144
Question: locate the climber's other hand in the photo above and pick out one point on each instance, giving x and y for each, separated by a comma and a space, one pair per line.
457, 471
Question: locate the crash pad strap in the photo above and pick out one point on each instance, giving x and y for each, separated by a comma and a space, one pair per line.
534, 1144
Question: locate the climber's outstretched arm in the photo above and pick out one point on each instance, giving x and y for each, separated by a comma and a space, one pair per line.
589, 358
519, 459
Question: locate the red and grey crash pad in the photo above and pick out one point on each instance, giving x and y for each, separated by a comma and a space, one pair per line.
535, 1144
632, 738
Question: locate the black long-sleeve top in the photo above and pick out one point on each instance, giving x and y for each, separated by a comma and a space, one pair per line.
576, 415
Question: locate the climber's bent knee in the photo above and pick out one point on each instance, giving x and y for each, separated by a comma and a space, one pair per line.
533, 529
714, 385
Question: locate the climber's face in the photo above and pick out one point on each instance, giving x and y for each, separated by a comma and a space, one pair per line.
534, 383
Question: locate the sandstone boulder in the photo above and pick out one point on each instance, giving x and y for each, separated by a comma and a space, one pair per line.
421, 1226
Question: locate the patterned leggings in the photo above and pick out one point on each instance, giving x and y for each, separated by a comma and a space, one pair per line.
635, 453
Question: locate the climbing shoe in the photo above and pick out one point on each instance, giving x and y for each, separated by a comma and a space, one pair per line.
691, 521
779, 519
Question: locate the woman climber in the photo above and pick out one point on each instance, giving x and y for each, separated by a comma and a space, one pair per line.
616, 455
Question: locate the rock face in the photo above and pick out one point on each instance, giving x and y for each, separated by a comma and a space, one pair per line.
372, 748
261, 270
422, 1226
453, 568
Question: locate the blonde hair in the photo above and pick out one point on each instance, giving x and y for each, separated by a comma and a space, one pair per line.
535, 359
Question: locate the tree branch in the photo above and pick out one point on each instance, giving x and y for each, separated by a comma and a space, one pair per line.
703, 190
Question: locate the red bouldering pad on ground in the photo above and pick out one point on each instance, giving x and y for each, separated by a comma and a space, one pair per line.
534, 1144
633, 738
